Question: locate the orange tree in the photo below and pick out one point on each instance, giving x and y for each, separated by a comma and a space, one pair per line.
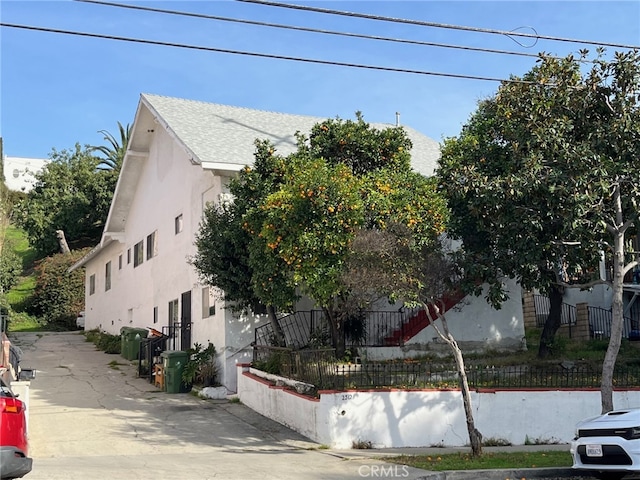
310, 222
345, 179
232, 256
293, 219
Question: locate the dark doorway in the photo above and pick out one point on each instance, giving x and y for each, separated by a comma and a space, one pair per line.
185, 321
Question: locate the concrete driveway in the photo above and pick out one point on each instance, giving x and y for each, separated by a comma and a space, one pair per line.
91, 418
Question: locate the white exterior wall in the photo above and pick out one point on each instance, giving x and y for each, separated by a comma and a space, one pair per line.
169, 185
597, 296
20, 172
424, 418
474, 324
474, 320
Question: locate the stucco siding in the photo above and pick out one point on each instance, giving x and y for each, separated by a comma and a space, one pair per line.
474, 320
423, 418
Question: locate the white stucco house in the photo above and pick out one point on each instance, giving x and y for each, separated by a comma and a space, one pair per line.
19, 172
180, 157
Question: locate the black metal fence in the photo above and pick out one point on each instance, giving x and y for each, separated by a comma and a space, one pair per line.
320, 369
600, 323
149, 355
568, 315
304, 328
599, 319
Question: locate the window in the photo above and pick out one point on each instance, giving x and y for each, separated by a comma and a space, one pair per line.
155, 314
107, 276
208, 303
152, 246
92, 284
138, 254
174, 313
178, 224
128, 256
120, 262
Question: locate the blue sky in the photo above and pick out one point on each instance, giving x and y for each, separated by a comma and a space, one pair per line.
58, 89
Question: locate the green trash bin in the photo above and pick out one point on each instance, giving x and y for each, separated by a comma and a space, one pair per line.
173, 362
130, 339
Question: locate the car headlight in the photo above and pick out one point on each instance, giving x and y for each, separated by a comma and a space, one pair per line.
634, 433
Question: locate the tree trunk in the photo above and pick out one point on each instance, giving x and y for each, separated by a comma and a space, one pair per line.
278, 334
337, 332
475, 437
552, 323
62, 240
617, 320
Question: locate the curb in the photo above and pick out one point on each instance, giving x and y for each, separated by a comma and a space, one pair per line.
516, 474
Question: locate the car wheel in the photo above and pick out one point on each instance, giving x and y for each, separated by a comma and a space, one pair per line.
611, 475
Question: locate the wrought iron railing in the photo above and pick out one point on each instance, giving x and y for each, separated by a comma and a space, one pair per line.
149, 355
600, 323
599, 319
300, 329
568, 314
319, 368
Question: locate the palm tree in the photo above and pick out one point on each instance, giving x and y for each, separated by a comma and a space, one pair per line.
114, 153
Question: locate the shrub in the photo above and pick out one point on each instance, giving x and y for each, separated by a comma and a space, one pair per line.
59, 295
104, 341
201, 368
10, 268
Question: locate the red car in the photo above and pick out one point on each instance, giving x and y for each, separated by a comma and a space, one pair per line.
14, 446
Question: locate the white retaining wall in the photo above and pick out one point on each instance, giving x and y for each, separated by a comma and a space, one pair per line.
423, 418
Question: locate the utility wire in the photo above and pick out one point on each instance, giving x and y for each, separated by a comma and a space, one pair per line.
265, 55
308, 29
435, 24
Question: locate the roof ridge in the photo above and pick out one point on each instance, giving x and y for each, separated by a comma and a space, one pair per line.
273, 112
235, 107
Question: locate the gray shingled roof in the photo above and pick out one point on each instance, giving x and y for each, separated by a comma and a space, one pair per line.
226, 134
221, 135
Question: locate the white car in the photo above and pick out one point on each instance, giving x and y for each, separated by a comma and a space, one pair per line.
80, 320
608, 446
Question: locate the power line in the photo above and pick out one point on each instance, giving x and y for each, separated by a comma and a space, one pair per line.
308, 29
435, 24
264, 55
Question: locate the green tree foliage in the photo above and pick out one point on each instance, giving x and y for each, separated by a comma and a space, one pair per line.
71, 195
310, 222
233, 257
358, 146
293, 218
345, 178
113, 153
59, 295
544, 177
230, 253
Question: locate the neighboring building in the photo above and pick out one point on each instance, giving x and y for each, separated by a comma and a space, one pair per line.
180, 157
20, 172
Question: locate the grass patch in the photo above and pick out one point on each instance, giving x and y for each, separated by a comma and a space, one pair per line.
494, 460
19, 294
495, 442
17, 238
23, 322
